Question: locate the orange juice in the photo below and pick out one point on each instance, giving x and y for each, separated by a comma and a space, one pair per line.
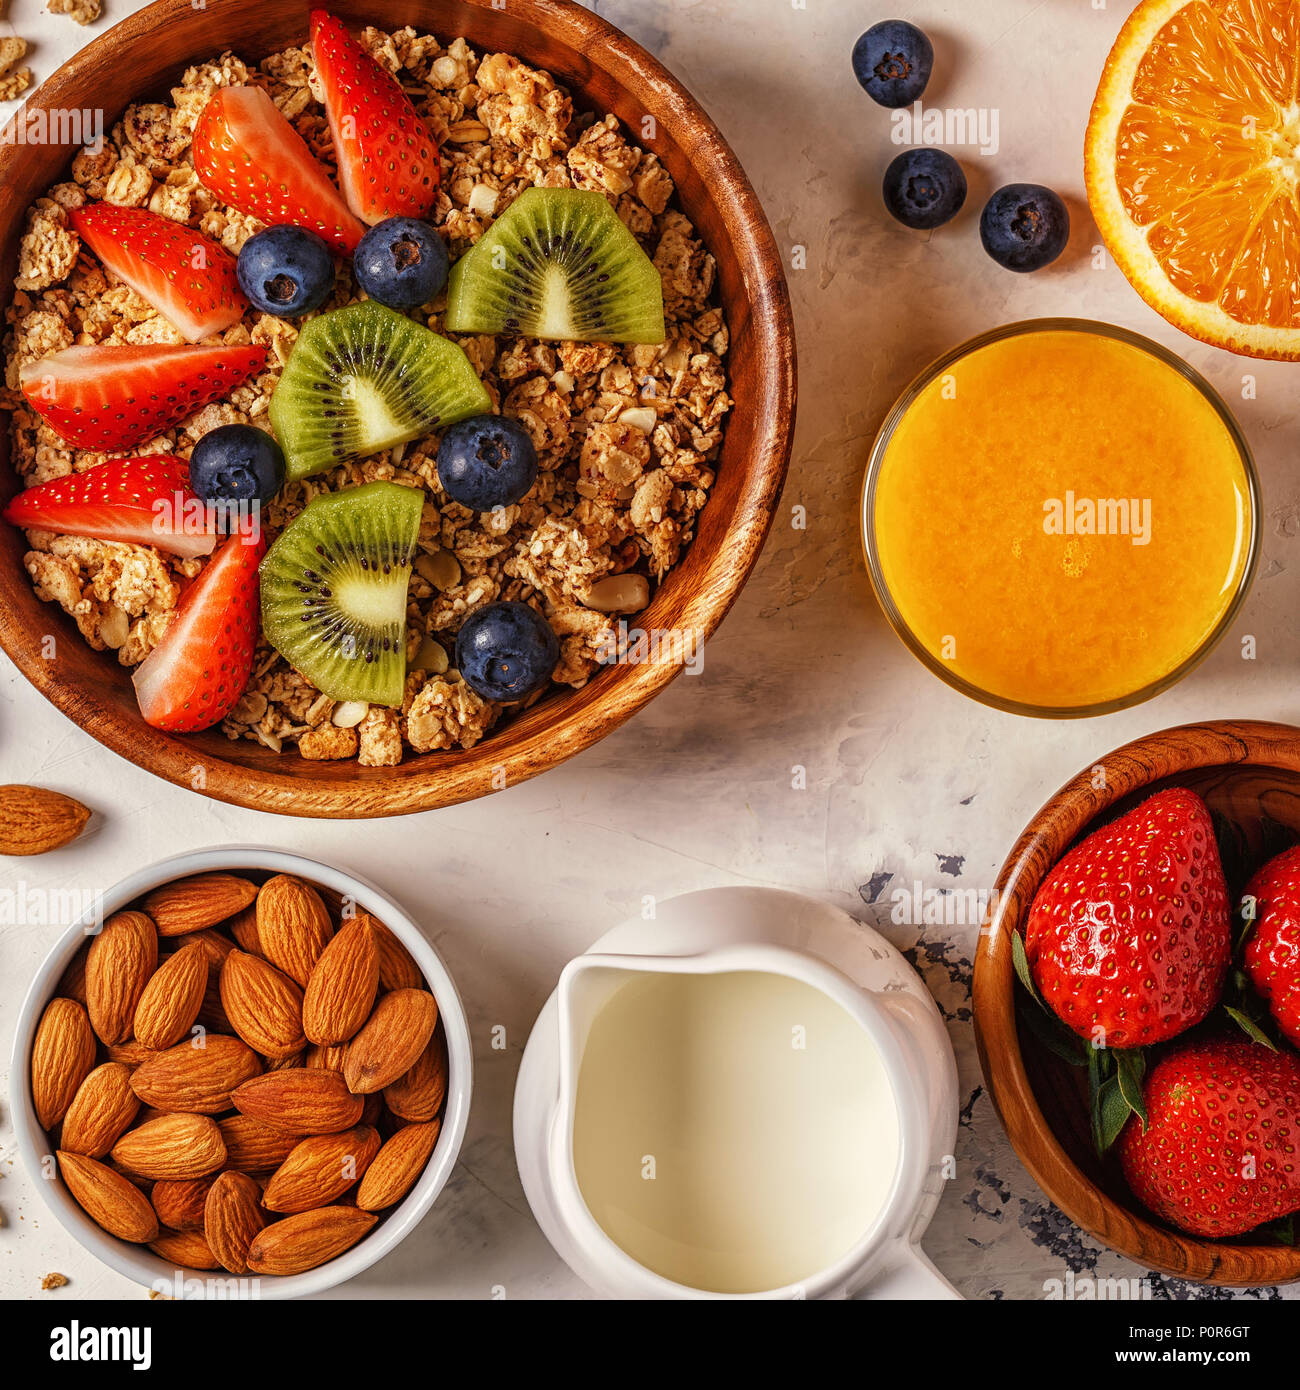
1060, 517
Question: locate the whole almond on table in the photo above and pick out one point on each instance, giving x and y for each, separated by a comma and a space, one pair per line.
101, 1110
293, 925
189, 1249
192, 904
418, 1094
109, 1199
34, 819
198, 1076
300, 1101
320, 1169
173, 1147
252, 1146
232, 1217
341, 988
393, 1038
119, 963
63, 1053
264, 1005
172, 998
180, 1204
395, 1168
397, 967
304, 1241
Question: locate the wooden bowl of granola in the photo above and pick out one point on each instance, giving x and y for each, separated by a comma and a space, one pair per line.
710, 546
1248, 772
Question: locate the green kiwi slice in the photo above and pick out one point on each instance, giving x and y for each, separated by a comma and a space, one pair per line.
364, 378
334, 591
558, 263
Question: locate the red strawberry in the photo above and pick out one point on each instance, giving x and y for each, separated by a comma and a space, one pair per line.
1218, 1157
185, 275
141, 500
388, 160
1273, 952
248, 154
113, 398
194, 677
1128, 937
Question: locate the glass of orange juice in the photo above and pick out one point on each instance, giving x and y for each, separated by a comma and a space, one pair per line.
1060, 517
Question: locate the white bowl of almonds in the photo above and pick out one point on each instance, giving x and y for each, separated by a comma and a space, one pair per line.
247, 1075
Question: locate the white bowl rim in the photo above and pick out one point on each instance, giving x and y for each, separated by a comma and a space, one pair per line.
138, 1262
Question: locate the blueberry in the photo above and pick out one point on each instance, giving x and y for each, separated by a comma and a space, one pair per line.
924, 188
892, 61
486, 461
506, 651
286, 271
236, 463
1024, 226
401, 262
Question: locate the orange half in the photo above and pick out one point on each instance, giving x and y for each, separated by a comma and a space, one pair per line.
1192, 163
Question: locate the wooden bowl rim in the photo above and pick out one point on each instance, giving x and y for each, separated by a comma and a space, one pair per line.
1130, 768
432, 780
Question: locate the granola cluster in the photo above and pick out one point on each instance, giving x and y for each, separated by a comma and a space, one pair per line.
626, 437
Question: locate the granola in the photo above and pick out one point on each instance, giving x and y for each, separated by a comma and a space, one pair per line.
627, 436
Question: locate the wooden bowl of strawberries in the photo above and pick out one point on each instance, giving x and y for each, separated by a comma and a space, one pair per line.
1137, 1001
242, 1074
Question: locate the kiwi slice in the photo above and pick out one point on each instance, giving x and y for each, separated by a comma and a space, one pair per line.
558, 263
364, 378
334, 591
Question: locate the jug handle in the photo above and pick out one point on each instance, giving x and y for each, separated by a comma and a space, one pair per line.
908, 1275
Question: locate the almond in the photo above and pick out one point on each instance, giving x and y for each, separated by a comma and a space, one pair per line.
119, 963
395, 1168
172, 998
35, 819
63, 1052
243, 927
300, 1101
232, 1218
418, 1095
292, 925
172, 1148
101, 1110
191, 904
395, 1035
320, 1169
198, 1075
72, 985
292, 1059
327, 1058
341, 988
252, 1145
397, 967
180, 1203
309, 1239
109, 1199
188, 1249
264, 1006
129, 1053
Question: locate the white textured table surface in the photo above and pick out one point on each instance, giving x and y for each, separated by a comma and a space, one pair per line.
904, 777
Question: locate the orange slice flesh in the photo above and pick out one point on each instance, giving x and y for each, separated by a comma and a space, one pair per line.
1193, 162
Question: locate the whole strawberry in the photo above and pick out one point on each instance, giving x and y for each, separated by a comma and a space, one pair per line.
1128, 938
1273, 952
1219, 1154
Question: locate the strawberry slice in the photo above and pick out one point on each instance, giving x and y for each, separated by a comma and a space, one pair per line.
141, 500
248, 154
194, 677
388, 159
113, 398
185, 275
